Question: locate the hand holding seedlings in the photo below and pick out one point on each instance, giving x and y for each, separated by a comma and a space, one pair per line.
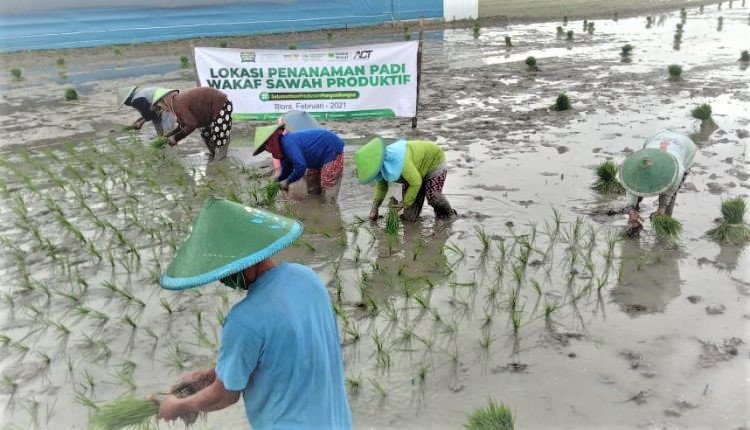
634, 226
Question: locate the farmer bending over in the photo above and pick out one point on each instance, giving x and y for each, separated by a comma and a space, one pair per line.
659, 169
418, 165
280, 344
203, 107
315, 153
142, 100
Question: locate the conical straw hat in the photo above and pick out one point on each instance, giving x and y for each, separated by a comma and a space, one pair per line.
369, 160
160, 93
648, 172
226, 238
261, 135
123, 93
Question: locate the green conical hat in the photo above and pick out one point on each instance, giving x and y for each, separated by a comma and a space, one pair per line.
159, 94
648, 172
123, 93
226, 238
369, 160
261, 135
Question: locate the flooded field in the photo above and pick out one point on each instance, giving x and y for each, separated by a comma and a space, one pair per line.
529, 297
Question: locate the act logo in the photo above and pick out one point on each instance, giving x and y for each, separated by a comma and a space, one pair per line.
247, 57
363, 55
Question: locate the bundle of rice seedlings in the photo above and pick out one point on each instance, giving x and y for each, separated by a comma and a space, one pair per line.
129, 127
158, 142
702, 112
16, 73
271, 190
627, 49
531, 63
508, 42
744, 56
126, 412
71, 94
675, 71
184, 62
494, 416
60, 62
392, 220
732, 229
569, 35
606, 178
562, 102
667, 227
560, 31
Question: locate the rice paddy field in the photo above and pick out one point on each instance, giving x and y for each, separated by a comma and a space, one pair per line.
530, 296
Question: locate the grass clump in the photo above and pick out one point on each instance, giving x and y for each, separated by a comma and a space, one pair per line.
675, 71
531, 63
744, 56
16, 73
493, 416
184, 62
667, 227
562, 102
702, 112
71, 94
569, 35
606, 179
125, 412
732, 230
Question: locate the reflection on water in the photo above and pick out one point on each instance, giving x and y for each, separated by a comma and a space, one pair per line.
649, 278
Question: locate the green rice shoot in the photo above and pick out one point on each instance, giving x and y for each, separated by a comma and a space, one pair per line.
667, 227
493, 416
732, 230
392, 221
126, 412
606, 179
270, 191
702, 112
159, 142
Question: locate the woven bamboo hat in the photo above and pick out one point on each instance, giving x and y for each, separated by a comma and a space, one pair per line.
648, 172
369, 160
261, 135
160, 93
123, 93
226, 238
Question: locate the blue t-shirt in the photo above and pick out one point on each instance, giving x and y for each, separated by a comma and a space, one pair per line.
280, 347
307, 149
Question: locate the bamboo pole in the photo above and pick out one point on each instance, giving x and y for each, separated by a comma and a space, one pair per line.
419, 70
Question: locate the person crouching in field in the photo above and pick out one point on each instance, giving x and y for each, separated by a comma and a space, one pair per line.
315, 153
206, 108
659, 169
418, 165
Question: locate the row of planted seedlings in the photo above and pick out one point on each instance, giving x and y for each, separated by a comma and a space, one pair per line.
410, 317
88, 228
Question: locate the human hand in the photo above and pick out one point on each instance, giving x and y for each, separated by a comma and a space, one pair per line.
373, 214
658, 212
284, 186
192, 382
635, 225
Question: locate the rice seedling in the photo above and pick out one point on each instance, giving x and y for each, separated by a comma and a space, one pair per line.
667, 227
732, 230
129, 411
562, 102
271, 191
508, 42
70, 94
550, 309
626, 50
649, 21
9, 386
606, 179
590, 27
486, 340
476, 29
585, 24
515, 318
560, 31
721, 24
616, 17
407, 34
565, 20
569, 36
329, 35
531, 63
32, 410
700, 9
675, 72
184, 62
493, 416
745, 56
223, 44
159, 142
353, 383
702, 112
379, 389
392, 220
292, 46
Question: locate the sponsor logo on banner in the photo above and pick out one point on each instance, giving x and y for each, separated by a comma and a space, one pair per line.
271, 58
313, 57
291, 57
363, 55
247, 57
338, 56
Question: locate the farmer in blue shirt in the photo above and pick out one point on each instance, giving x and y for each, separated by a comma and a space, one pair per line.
315, 153
280, 347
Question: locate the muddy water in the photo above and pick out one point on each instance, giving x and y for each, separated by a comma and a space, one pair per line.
641, 351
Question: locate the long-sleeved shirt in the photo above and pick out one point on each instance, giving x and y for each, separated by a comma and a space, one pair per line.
142, 100
194, 108
422, 157
681, 148
307, 149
